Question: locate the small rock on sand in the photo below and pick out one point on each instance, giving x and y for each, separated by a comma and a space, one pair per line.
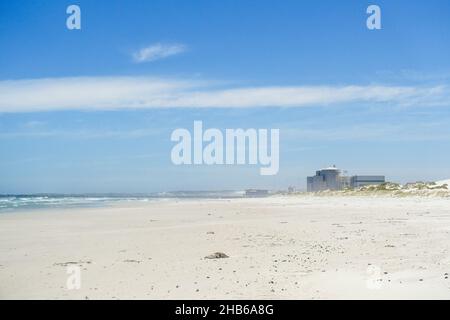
217, 255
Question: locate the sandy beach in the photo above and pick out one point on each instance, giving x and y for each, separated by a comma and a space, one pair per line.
282, 247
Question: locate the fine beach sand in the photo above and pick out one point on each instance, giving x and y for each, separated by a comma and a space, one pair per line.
282, 247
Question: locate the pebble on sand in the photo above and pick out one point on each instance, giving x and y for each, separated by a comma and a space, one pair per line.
217, 255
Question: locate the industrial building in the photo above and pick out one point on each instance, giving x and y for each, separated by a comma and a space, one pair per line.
360, 181
331, 179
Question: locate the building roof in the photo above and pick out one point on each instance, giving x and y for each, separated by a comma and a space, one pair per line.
330, 168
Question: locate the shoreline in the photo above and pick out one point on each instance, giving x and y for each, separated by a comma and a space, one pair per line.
111, 201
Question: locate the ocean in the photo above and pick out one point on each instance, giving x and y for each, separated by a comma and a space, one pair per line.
9, 203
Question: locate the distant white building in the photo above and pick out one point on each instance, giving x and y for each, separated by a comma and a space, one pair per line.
331, 179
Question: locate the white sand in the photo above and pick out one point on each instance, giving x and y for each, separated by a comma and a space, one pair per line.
299, 247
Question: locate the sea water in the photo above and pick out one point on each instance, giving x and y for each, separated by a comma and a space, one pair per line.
10, 203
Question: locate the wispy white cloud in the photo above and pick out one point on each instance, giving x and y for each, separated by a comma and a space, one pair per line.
158, 51
81, 134
104, 93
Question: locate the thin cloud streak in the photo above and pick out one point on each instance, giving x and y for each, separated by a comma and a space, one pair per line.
157, 51
109, 93
82, 134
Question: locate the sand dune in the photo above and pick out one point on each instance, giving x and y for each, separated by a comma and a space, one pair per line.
298, 247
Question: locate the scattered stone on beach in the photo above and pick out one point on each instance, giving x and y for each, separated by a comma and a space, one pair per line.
217, 255
68, 263
132, 260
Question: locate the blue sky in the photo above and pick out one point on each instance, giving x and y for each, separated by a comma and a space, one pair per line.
92, 110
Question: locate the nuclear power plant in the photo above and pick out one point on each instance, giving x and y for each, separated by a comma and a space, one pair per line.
331, 179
